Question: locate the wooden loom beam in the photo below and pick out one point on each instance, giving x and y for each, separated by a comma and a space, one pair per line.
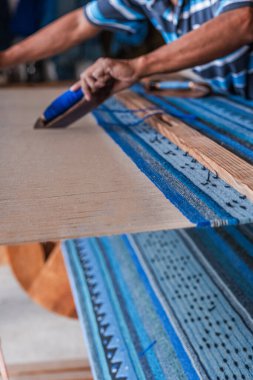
60, 370
232, 169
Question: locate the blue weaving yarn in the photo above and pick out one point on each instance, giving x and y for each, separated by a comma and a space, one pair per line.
62, 104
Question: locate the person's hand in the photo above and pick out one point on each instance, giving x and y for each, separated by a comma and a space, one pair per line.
122, 73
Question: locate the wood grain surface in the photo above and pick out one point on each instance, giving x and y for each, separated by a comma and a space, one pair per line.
3, 256
51, 287
232, 169
57, 184
42, 275
62, 370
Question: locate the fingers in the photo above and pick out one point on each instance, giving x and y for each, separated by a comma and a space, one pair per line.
91, 84
76, 86
81, 84
88, 84
95, 77
86, 90
98, 72
98, 75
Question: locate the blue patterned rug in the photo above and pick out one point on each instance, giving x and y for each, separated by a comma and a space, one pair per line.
200, 195
175, 305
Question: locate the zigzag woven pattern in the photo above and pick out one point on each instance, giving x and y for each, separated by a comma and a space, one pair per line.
200, 195
172, 305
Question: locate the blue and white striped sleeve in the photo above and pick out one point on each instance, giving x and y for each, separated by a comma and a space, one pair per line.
230, 5
115, 15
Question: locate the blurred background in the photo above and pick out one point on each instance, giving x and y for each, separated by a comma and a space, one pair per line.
21, 18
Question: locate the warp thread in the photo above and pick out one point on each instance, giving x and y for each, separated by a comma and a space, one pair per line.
132, 124
141, 354
156, 111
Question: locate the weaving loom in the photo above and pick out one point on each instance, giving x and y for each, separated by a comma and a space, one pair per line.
154, 305
173, 304
200, 176
166, 305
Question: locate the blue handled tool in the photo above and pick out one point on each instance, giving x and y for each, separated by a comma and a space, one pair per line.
69, 107
62, 104
178, 87
171, 85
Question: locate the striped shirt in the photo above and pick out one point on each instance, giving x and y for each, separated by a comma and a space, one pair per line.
232, 73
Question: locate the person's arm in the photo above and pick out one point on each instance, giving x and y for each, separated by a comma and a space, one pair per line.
55, 38
214, 39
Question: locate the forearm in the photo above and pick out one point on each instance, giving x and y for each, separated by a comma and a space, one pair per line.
51, 40
212, 40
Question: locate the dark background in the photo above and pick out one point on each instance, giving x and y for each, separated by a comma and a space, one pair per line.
21, 18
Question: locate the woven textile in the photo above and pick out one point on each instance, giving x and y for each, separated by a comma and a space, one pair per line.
171, 305
226, 120
200, 195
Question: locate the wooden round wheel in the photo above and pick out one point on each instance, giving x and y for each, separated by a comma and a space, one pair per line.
40, 270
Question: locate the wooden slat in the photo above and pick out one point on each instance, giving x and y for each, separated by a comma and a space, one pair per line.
77, 376
57, 184
232, 169
62, 365
3, 368
60, 376
62, 370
